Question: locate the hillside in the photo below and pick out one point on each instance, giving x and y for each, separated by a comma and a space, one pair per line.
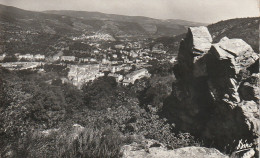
32, 32
244, 28
142, 25
25, 31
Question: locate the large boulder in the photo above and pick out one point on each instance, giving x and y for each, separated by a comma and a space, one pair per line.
201, 38
216, 96
244, 55
197, 42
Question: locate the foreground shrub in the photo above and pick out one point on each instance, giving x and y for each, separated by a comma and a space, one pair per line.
75, 141
94, 143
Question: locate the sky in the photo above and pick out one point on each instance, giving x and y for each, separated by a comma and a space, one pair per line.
206, 11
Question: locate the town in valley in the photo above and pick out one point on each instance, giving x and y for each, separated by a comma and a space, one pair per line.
126, 60
144, 83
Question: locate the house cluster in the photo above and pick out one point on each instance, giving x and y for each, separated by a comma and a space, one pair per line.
115, 68
130, 78
67, 58
159, 47
119, 46
128, 52
30, 57
115, 60
95, 37
81, 74
133, 45
73, 59
27, 57
22, 65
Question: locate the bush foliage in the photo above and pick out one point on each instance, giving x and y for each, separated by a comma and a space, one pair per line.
109, 113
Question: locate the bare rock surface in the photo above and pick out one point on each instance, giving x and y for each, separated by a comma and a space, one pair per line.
153, 149
201, 38
216, 94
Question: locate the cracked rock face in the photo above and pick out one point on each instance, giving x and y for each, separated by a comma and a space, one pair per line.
201, 38
242, 53
217, 90
152, 149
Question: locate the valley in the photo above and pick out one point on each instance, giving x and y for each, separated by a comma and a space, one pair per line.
90, 84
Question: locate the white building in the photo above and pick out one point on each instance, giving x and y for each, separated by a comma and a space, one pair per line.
99, 74
39, 57
114, 62
2, 57
55, 58
80, 75
128, 61
26, 56
105, 61
116, 69
138, 60
93, 60
133, 54
114, 56
68, 58
133, 76
173, 60
83, 60
119, 46
96, 51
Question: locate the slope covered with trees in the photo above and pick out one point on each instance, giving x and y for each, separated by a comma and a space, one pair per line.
242, 28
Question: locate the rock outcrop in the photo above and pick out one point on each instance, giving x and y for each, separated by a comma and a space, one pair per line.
216, 95
153, 149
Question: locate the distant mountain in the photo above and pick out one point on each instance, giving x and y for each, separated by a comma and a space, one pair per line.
243, 28
32, 32
135, 24
11, 17
49, 32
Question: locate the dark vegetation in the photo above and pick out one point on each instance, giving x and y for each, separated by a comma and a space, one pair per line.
78, 49
11, 58
111, 115
61, 70
161, 68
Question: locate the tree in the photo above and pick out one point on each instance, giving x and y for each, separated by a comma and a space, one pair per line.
11, 58
101, 93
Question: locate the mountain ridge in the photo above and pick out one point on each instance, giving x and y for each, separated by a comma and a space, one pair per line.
82, 21
151, 26
179, 21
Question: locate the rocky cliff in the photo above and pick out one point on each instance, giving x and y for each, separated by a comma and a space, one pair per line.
216, 95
